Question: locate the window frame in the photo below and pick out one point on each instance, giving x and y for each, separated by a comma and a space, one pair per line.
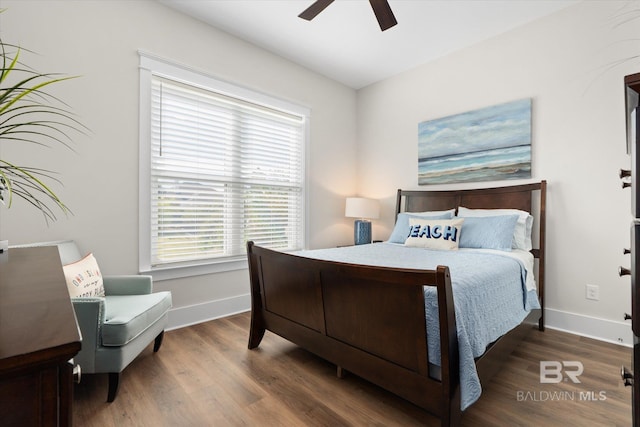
149, 66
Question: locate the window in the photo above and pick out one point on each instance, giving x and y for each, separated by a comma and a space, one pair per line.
220, 165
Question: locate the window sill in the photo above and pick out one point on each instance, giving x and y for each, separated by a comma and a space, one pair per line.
180, 271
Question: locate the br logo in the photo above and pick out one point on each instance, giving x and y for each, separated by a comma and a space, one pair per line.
553, 372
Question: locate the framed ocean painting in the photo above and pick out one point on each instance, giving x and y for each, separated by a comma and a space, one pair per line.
492, 143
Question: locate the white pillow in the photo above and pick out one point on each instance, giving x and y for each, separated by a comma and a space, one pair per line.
84, 278
521, 233
450, 212
401, 229
442, 234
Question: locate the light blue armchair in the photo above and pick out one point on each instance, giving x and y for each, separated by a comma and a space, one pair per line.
117, 327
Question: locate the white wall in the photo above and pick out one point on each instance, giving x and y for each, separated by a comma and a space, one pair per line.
568, 63
99, 40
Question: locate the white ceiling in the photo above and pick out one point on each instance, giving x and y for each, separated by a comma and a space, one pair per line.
344, 42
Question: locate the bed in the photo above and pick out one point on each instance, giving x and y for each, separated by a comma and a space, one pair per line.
394, 324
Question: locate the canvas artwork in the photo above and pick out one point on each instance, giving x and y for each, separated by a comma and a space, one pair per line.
492, 143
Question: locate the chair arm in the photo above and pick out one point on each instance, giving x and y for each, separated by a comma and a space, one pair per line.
127, 285
90, 316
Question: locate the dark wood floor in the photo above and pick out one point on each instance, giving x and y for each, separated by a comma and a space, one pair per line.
204, 376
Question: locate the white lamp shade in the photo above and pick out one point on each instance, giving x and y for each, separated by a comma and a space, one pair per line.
358, 207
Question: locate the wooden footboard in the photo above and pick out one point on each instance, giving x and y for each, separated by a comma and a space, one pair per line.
367, 320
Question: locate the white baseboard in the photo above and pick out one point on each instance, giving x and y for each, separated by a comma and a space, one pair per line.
180, 317
591, 327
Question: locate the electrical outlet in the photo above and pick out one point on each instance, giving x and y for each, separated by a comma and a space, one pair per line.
593, 292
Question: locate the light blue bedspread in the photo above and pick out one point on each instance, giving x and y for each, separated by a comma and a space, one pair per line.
489, 292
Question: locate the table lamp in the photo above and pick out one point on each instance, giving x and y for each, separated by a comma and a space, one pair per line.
363, 209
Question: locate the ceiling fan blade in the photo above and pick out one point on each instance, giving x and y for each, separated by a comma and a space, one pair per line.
313, 10
383, 13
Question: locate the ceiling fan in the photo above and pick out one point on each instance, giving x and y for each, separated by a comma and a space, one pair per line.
381, 9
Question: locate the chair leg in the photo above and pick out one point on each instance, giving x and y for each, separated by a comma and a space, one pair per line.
114, 381
158, 342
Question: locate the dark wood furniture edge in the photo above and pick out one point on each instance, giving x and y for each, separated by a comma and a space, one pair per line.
54, 355
38, 336
633, 81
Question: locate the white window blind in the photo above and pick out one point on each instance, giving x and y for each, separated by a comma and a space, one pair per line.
223, 171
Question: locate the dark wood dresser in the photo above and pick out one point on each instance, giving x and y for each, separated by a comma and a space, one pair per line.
631, 179
38, 336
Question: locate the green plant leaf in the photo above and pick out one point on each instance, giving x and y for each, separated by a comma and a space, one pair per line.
30, 114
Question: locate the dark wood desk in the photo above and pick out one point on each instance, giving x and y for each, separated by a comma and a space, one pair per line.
38, 337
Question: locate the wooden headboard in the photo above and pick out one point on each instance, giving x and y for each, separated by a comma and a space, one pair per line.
521, 197
513, 197
510, 197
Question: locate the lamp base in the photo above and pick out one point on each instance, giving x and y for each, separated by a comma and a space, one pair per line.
362, 232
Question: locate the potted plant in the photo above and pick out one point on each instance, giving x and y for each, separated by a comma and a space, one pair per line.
29, 114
